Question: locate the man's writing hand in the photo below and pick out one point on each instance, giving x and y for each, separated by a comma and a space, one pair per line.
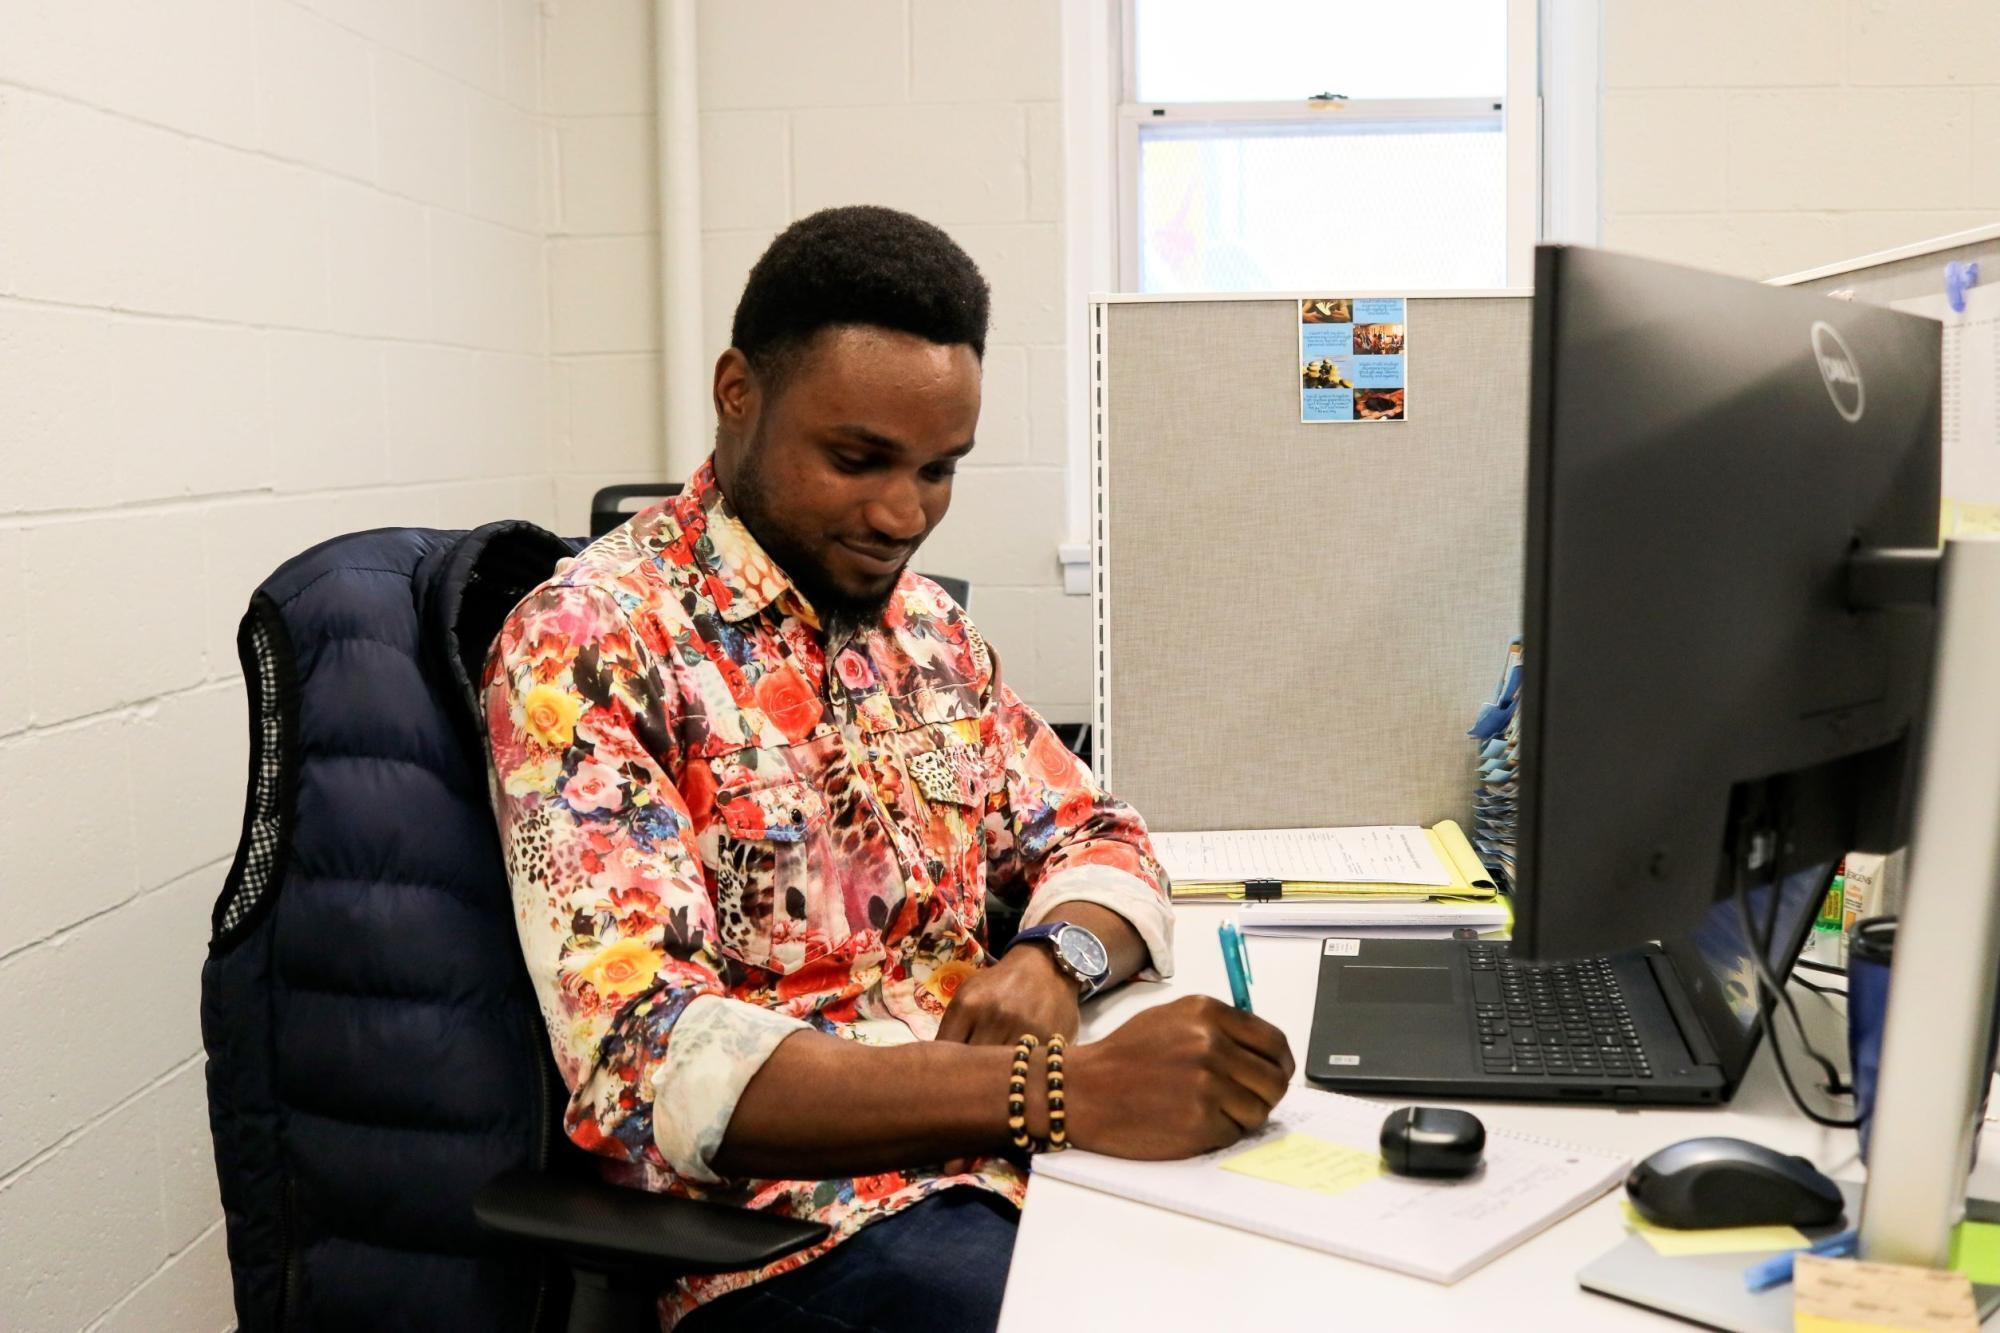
1178, 1079
1024, 992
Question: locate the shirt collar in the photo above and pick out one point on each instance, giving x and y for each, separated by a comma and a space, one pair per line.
744, 579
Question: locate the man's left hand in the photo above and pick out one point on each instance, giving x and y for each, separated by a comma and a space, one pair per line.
1024, 992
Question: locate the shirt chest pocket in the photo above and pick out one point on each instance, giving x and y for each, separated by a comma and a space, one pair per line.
946, 804
769, 843
950, 777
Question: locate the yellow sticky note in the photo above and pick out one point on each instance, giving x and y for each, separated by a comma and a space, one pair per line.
1672, 1244
1847, 1296
1307, 1163
1972, 518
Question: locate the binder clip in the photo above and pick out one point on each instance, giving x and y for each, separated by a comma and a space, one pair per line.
1263, 890
1957, 278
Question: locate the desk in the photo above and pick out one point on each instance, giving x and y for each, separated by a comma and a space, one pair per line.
1155, 1270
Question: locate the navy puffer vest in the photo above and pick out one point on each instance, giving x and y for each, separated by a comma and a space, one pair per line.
374, 1049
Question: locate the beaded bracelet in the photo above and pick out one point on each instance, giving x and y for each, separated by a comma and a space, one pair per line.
1017, 1092
1052, 1063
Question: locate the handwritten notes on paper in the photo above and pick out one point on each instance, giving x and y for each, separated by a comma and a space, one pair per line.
1670, 1243
1384, 854
1307, 1163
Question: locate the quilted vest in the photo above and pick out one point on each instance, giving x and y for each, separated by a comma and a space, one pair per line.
374, 1049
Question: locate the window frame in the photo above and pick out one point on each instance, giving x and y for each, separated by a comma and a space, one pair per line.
1523, 133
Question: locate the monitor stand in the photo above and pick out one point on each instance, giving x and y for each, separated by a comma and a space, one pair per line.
1937, 1036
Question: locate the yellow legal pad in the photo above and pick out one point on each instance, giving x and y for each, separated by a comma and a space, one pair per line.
1466, 877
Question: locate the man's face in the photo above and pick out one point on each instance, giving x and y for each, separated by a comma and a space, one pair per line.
842, 474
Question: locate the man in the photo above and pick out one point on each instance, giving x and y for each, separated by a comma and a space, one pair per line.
754, 780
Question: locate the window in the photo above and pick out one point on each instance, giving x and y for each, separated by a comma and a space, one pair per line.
1285, 145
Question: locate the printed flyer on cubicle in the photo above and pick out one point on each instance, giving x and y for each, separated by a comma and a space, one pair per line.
1352, 359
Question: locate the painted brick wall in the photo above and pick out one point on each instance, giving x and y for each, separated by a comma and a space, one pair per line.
269, 271
950, 109
1768, 136
947, 108
272, 270
604, 328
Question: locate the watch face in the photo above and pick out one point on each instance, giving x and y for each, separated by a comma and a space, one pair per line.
1084, 952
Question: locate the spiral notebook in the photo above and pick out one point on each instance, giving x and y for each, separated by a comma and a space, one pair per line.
1313, 1176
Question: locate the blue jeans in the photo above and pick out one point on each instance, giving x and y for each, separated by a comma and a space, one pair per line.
939, 1266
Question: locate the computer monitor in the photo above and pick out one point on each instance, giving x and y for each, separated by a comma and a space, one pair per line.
1704, 706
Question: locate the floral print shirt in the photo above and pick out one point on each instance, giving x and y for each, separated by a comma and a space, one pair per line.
721, 829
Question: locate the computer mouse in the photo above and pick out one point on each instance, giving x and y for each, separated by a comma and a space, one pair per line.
1718, 1182
1432, 1141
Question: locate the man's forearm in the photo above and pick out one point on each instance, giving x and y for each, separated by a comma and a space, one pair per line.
822, 1107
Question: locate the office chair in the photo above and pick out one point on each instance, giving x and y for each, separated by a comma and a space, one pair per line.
383, 1104
612, 505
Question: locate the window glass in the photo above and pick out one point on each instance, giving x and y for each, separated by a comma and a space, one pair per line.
1289, 207
1280, 50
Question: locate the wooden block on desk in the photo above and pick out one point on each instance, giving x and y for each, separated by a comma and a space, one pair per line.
1847, 1296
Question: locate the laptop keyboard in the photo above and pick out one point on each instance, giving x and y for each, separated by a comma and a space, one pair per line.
1563, 1019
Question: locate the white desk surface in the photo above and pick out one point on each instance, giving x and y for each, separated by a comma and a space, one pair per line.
1086, 1260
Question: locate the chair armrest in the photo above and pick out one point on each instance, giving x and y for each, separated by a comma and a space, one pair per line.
613, 1225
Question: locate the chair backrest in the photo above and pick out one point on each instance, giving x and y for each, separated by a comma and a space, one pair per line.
612, 505
375, 1051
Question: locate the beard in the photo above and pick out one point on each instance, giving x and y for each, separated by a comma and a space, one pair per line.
841, 613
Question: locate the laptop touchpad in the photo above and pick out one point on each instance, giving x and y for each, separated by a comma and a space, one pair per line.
1360, 983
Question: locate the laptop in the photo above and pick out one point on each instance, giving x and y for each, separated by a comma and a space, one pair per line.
1668, 1024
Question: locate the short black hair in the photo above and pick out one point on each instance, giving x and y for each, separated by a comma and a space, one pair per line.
858, 265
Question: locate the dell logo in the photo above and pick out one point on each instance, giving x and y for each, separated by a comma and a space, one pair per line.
1837, 368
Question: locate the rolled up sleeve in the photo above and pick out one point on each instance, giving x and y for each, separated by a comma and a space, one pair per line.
1057, 836
612, 910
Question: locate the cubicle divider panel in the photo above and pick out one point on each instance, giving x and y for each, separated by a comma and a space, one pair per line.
1899, 275
1297, 623
1914, 278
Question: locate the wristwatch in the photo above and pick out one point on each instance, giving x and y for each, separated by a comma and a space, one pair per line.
1080, 955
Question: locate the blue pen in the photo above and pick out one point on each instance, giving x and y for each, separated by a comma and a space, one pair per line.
1777, 1270
1236, 959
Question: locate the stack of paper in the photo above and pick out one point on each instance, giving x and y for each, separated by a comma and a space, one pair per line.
1387, 863
1381, 918
1498, 736
1391, 880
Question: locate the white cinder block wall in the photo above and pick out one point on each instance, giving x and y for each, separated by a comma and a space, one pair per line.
950, 109
604, 275
269, 271
1765, 137
947, 108
272, 270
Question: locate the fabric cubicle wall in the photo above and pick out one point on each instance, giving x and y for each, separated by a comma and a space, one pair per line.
1296, 623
